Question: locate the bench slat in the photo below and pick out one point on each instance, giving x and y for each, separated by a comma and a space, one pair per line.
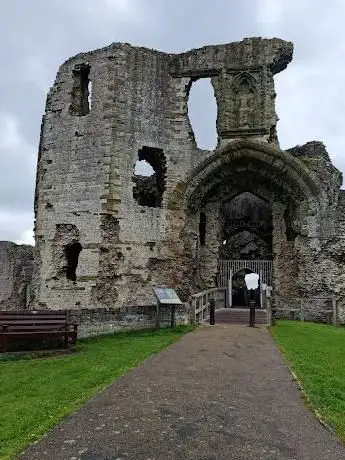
33, 318
33, 321
41, 323
32, 325
33, 312
46, 333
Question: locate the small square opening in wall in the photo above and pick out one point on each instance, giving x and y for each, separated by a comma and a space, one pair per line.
81, 91
149, 177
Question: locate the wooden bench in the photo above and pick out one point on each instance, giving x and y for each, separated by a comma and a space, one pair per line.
39, 324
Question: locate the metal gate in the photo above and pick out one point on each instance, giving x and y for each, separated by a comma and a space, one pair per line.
227, 268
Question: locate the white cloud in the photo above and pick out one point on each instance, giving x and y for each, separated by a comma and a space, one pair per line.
11, 140
269, 14
113, 12
17, 227
35, 72
10, 137
18, 161
125, 7
27, 237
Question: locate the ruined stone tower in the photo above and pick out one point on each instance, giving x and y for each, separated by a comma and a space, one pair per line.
105, 236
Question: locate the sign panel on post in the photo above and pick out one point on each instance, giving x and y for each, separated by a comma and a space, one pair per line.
167, 296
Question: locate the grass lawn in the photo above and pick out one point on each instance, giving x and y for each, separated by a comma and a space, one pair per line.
317, 355
35, 394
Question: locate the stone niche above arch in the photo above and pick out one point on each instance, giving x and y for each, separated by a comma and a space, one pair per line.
242, 103
245, 101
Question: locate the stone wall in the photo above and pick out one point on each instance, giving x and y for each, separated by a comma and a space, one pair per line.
316, 309
16, 270
106, 320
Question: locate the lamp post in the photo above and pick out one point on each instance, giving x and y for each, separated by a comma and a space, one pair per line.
252, 283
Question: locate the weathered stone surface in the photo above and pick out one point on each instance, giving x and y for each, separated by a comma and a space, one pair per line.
134, 232
105, 320
16, 269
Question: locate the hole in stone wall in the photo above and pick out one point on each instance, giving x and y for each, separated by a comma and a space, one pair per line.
149, 177
81, 91
202, 229
202, 112
72, 252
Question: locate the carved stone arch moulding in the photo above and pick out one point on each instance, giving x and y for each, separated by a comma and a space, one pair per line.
244, 79
277, 167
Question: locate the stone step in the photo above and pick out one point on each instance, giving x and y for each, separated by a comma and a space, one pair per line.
239, 316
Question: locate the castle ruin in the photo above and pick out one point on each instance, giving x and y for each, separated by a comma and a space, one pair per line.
17, 263
105, 236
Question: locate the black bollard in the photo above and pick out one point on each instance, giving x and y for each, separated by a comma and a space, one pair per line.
173, 317
252, 313
212, 312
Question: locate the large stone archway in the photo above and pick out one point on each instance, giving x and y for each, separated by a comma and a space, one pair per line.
295, 195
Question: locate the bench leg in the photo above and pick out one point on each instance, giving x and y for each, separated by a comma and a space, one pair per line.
3, 343
66, 340
75, 333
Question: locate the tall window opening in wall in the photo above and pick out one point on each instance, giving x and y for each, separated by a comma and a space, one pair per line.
149, 177
202, 112
81, 90
202, 229
72, 252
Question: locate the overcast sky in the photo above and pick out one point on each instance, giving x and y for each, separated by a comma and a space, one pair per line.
38, 35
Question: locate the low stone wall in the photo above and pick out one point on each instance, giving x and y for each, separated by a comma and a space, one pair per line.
316, 309
104, 320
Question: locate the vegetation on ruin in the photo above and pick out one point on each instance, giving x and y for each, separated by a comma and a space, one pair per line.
316, 354
37, 393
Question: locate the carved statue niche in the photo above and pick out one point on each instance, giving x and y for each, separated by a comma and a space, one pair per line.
245, 101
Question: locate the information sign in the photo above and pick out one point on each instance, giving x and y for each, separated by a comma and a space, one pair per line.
167, 296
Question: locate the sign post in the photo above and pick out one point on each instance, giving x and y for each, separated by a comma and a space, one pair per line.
169, 298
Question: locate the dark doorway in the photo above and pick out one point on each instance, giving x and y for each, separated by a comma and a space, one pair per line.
239, 291
72, 252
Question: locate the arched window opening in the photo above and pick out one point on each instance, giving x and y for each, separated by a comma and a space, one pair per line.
202, 229
202, 112
72, 252
149, 177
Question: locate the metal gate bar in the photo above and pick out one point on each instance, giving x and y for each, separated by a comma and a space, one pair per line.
227, 268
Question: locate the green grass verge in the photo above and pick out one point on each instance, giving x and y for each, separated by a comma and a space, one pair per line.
35, 394
316, 353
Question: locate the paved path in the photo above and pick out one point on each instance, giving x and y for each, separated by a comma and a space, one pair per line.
222, 392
